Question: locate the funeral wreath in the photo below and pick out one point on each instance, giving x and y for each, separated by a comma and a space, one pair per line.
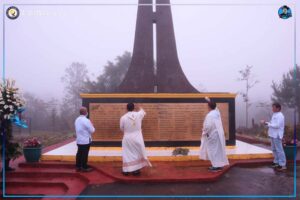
10, 103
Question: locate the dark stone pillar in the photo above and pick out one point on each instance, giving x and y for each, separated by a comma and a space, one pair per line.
170, 77
140, 76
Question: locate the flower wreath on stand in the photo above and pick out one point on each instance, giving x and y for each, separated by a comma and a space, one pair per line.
11, 106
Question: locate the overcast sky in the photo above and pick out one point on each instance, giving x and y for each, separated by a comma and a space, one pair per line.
215, 39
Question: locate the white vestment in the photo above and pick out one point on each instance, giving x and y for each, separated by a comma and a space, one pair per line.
133, 146
213, 146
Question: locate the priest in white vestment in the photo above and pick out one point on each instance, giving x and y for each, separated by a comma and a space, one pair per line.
213, 145
133, 146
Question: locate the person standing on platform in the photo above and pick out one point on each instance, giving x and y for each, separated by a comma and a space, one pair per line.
133, 146
84, 130
213, 145
275, 132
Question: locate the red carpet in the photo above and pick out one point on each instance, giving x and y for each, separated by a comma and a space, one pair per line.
193, 171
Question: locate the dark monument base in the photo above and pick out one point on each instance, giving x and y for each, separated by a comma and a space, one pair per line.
173, 119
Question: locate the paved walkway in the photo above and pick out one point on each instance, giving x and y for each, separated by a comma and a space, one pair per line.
238, 181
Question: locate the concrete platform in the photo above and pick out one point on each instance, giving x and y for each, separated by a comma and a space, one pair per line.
67, 152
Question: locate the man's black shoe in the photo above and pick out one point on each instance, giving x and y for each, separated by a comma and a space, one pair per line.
215, 169
280, 168
125, 173
136, 173
274, 165
87, 169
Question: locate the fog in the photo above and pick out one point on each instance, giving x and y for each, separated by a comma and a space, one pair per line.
215, 39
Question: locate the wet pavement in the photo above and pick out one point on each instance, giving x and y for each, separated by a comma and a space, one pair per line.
238, 181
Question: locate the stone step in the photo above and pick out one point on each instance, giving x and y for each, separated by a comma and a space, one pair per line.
29, 187
74, 182
47, 165
96, 176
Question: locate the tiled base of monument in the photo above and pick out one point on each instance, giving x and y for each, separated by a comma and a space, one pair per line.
67, 152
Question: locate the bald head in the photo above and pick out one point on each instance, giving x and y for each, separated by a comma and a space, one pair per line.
83, 111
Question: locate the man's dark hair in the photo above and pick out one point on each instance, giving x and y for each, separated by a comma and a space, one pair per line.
83, 111
212, 105
130, 107
277, 105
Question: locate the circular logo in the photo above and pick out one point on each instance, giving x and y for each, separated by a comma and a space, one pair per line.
12, 12
284, 12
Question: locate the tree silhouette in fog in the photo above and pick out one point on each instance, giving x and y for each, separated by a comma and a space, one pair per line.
287, 92
74, 80
247, 76
112, 76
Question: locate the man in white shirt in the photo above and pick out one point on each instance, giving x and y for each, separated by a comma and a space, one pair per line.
133, 146
84, 129
275, 132
213, 145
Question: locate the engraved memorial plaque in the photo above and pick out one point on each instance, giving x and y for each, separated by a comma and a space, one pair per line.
163, 121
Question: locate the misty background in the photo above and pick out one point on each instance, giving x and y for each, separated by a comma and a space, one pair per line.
215, 40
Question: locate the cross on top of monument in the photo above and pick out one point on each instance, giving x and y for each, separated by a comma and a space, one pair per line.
149, 73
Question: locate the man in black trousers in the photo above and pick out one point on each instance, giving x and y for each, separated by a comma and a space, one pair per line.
84, 129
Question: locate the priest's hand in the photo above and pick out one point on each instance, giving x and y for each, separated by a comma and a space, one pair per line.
263, 122
138, 107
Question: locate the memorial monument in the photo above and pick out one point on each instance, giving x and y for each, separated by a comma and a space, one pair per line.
167, 75
175, 109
